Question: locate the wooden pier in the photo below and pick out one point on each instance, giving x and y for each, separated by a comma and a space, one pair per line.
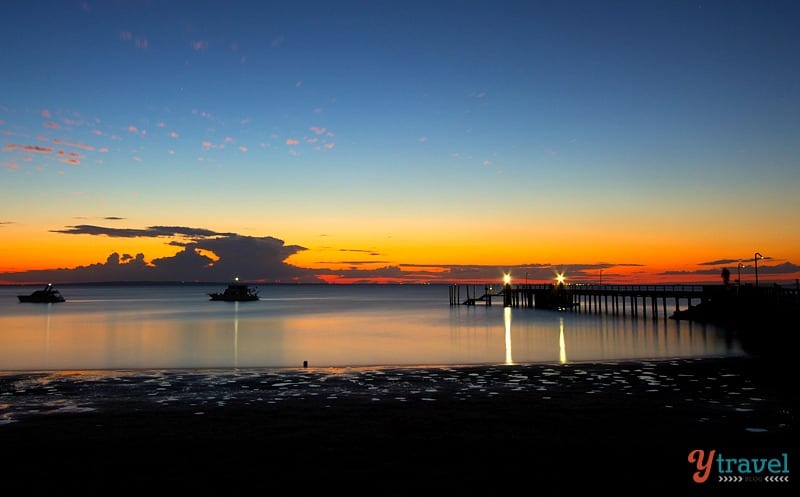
656, 301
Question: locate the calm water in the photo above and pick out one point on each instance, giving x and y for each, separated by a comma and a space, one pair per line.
162, 327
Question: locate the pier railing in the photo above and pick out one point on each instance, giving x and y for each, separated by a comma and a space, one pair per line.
657, 301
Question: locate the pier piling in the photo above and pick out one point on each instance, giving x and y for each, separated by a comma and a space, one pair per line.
615, 300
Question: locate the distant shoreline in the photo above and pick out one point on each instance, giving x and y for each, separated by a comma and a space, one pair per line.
782, 283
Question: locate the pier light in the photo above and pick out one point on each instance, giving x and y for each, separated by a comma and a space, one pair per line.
506, 278
560, 278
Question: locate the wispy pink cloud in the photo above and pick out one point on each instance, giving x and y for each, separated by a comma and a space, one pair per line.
73, 144
73, 162
200, 113
318, 130
243, 149
329, 145
291, 141
74, 155
28, 148
173, 135
46, 113
11, 165
199, 45
51, 125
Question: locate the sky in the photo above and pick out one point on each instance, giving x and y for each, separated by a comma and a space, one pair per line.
623, 142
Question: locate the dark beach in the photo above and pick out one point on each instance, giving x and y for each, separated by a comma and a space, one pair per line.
623, 427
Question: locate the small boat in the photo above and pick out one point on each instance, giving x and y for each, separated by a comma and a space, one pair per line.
236, 292
46, 295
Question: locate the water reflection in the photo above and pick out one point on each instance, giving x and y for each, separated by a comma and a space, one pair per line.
163, 327
47, 336
236, 334
592, 338
507, 323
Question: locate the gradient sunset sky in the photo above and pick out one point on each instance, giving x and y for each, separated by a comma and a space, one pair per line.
633, 141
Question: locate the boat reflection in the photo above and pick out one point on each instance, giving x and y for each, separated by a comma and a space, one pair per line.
236, 334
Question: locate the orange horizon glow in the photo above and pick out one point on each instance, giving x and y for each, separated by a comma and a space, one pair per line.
82, 256
617, 258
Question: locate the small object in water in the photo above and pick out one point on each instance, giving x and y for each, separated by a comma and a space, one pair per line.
236, 292
47, 295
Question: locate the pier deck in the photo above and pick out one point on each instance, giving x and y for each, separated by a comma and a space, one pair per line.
657, 301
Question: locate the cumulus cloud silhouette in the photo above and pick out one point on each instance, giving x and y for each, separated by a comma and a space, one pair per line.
206, 256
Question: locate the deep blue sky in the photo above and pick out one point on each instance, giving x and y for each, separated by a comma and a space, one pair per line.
658, 135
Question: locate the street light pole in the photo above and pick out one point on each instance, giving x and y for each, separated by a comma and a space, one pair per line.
739, 281
756, 257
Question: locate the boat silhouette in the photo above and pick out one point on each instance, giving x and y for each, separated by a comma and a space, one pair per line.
236, 292
46, 295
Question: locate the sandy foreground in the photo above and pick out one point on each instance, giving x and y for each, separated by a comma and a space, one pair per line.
539, 429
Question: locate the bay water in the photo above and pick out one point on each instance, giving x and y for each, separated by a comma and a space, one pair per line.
119, 327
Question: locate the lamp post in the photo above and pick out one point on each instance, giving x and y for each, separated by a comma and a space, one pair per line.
739, 281
756, 257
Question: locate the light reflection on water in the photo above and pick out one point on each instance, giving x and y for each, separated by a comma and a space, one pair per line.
162, 327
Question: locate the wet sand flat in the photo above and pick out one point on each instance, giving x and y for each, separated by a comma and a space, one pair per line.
624, 427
